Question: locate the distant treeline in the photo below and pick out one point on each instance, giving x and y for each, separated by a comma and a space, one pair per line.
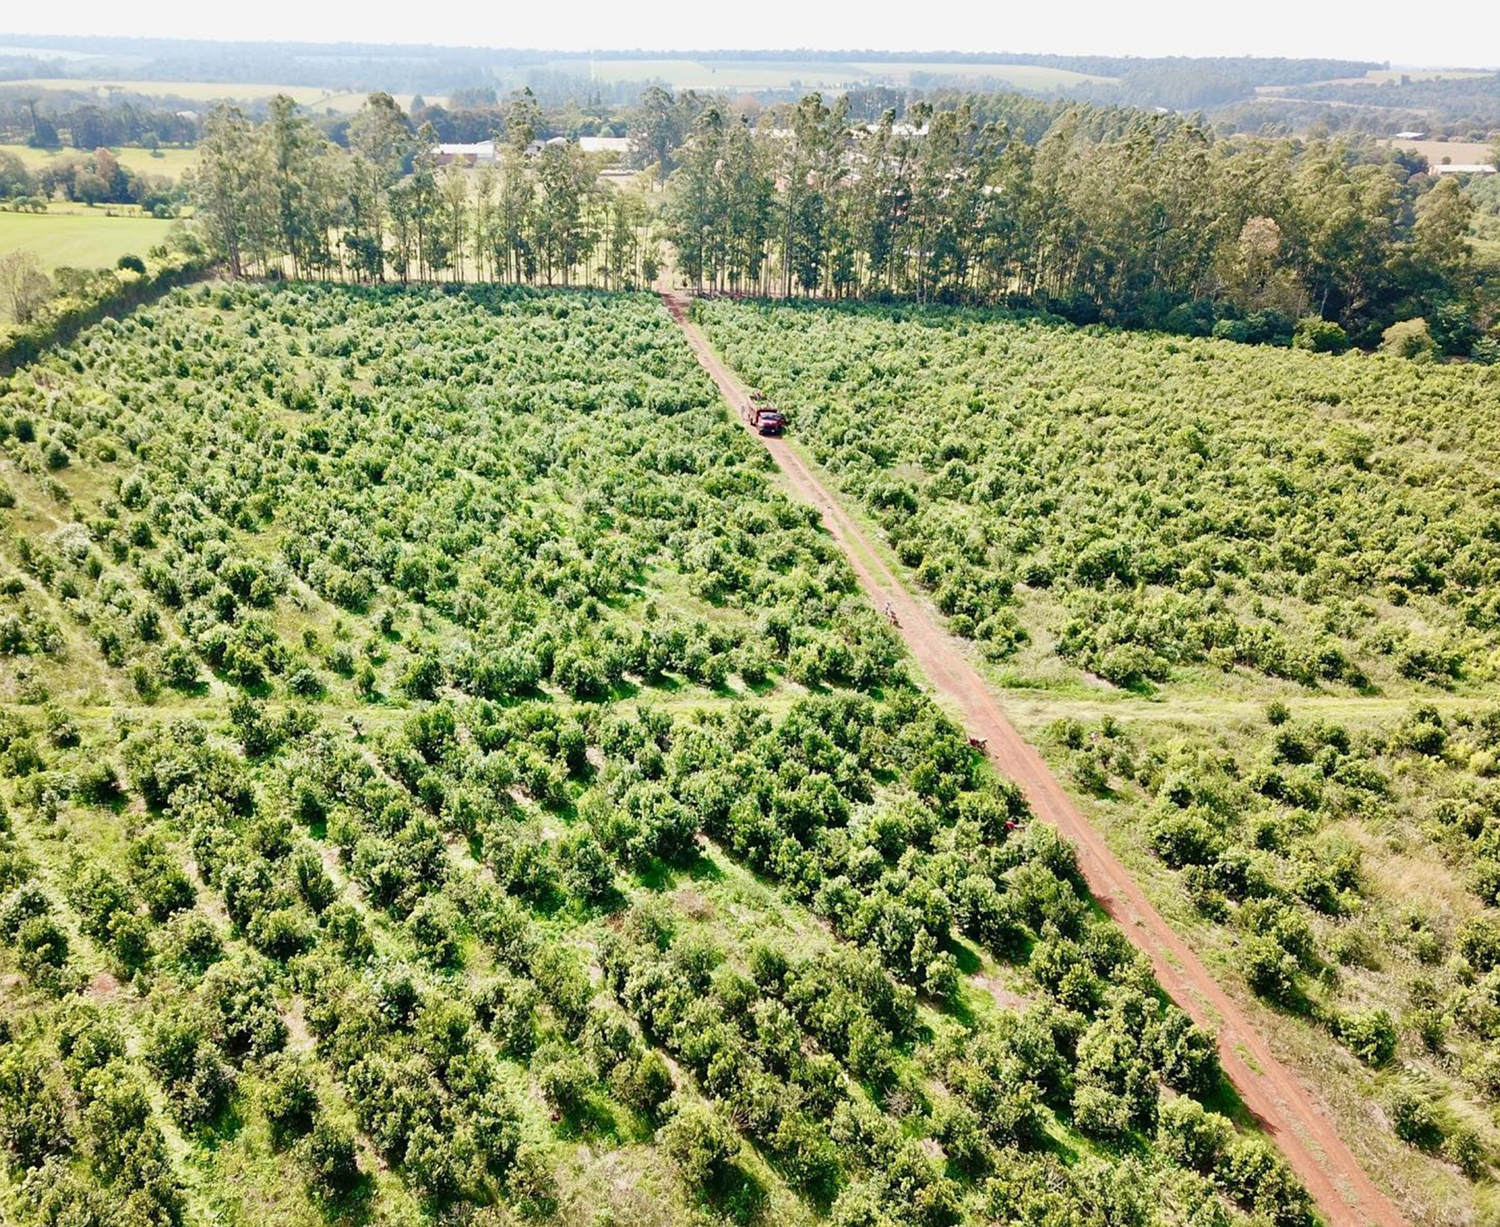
1109, 214
1114, 214
280, 198
84, 124
1452, 108
1264, 70
1473, 102
1172, 81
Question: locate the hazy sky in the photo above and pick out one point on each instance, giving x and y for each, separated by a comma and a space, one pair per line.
1458, 32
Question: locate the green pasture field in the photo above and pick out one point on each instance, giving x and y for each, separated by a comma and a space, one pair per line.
712, 75
80, 238
1459, 152
166, 163
314, 98
196, 91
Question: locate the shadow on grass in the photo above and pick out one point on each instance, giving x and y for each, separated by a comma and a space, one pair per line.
353, 1207
222, 1129
736, 1195
594, 1119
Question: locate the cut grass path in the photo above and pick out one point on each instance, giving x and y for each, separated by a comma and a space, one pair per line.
1285, 1109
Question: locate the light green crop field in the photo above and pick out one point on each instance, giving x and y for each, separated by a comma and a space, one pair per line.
348, 103
197, 91
168, 163
831, 74
1383, 76
693, 74
85, 239
1021, 76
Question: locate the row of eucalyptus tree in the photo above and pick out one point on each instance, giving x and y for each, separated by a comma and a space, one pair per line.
280, 198
1103, 212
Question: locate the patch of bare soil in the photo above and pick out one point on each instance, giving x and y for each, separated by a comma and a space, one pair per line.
104, 986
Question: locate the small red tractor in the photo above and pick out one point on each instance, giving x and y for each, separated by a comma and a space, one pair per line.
763, 415
978, 743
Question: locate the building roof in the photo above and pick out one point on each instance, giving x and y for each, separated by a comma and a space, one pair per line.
480, 149
604, 144
1464, 168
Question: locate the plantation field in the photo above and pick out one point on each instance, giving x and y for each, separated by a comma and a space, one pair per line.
167, 163
1248, 601
442, 771
80, 238
348, 103
314, 98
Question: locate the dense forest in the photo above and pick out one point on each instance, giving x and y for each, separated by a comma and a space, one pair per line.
1473, 98
1109, 214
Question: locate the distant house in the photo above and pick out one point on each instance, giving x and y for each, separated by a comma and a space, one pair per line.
1410, 136
464, 155
484, 151
1465, 168
617, 145
859, 132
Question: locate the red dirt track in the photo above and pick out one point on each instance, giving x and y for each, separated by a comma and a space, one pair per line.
1285, 1109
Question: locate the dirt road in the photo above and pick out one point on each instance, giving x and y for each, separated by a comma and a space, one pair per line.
1345, 1195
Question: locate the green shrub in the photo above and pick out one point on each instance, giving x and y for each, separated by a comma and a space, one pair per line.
1191, 1136
1269, 970
1320, 335
1464, 1148
1370, 1035
331, 1159
1409, 339
642, 1082
289, 1098
700, 1143
1413, 1118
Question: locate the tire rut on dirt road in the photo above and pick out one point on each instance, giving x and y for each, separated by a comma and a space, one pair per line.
1274, 1095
